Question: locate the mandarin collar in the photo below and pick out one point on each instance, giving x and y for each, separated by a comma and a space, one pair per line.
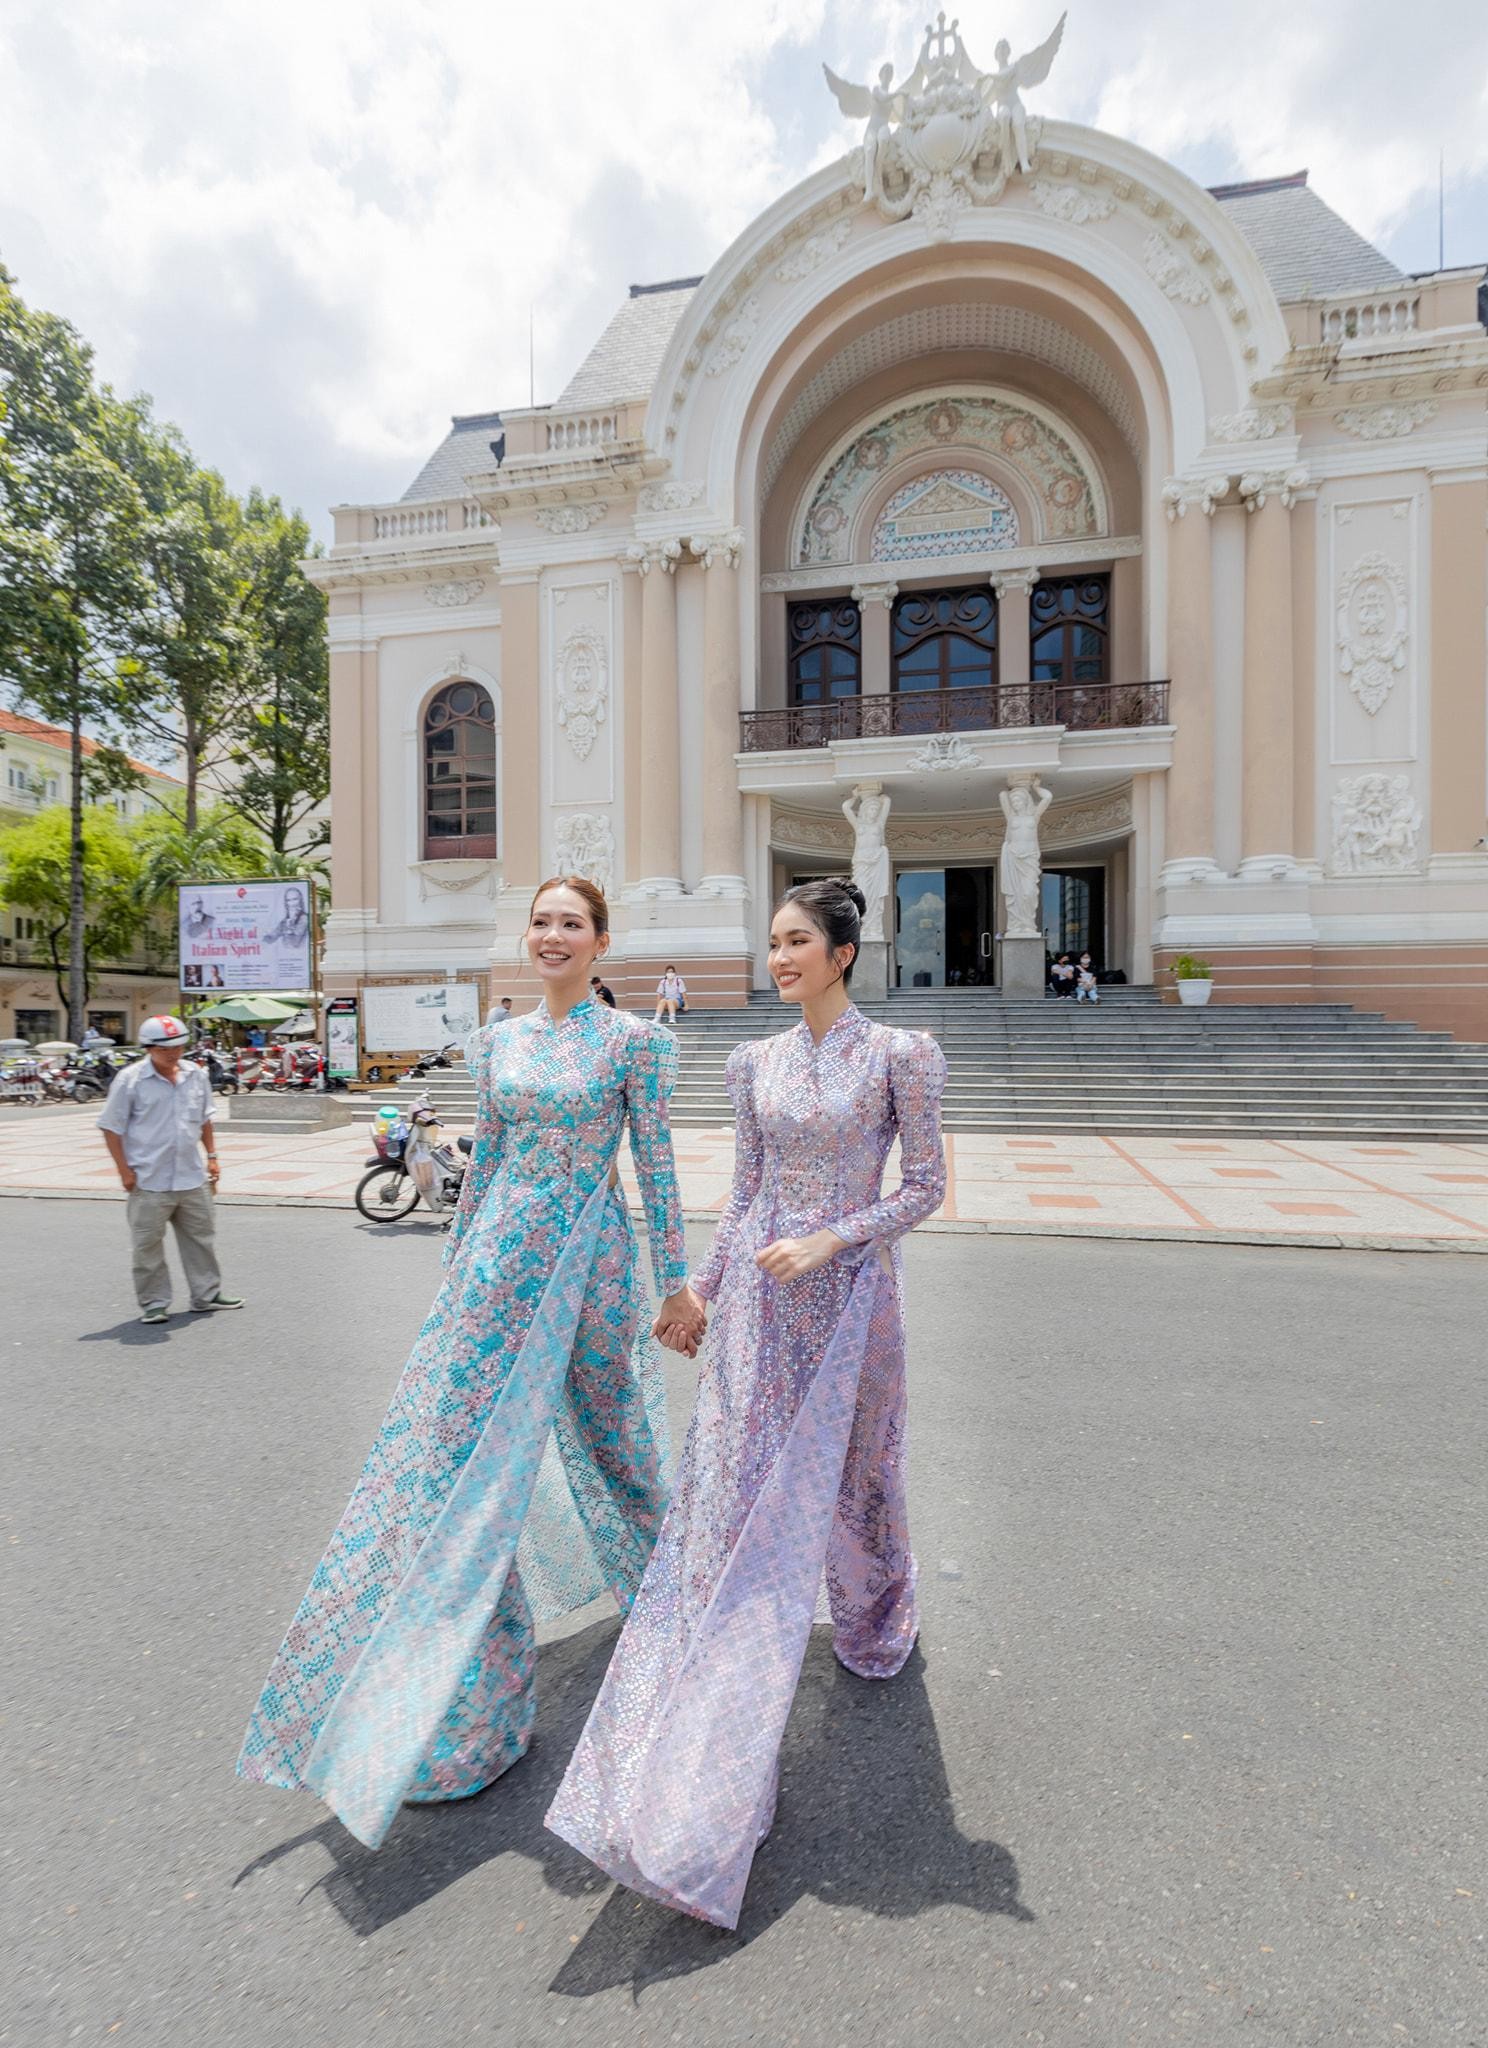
580, 1008
840, 1028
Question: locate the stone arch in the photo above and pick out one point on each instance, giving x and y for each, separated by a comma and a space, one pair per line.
455, 669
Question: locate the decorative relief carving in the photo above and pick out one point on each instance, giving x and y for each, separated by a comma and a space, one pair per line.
1071, 202
1172, 273
447, 595
451, 876
735, 338
944, 752
569, 518
1256, 486
1255, 423
1178, 493
719, 550
583, 688
875, 593
1373, 626
811, 833
674, 496
1090, 821
950, 135
661, 554
816, 250
1387, 422
584, 844
1010, 433
1376, 826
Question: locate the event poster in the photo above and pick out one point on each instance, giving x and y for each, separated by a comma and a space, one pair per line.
244, 937
418, 1016
342, 1039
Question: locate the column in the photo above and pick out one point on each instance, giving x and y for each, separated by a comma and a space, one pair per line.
876, 603
371, 792
1143, 859
347, 791
1266, 726
521, 736
722, 844
661, 774
1190, 509
1013, 589
1459, 714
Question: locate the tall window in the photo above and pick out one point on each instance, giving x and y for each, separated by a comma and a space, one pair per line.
1069, 627
826, 650
944, 639
460, 775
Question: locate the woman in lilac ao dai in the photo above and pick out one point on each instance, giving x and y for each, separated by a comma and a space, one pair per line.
519, 1472
793, 1471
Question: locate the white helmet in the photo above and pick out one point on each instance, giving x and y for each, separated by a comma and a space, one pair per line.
163, 1031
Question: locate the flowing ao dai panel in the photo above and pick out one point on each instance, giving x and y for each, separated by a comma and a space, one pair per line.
794, 1467
407, 1673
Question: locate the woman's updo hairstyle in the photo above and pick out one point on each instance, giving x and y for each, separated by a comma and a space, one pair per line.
591, 896
835, 906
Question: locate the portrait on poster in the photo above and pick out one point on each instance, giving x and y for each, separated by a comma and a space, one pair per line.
242, 937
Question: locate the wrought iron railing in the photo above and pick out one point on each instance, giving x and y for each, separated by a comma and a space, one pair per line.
912, 714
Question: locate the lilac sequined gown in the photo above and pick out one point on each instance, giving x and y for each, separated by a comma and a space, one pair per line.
794, 1468
520, 1471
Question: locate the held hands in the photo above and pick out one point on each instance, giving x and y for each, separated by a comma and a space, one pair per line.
682, 1321
789, 1257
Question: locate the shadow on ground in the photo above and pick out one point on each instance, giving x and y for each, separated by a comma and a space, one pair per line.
864, 1820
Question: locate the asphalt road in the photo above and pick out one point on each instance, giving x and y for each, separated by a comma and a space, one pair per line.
1193, 1750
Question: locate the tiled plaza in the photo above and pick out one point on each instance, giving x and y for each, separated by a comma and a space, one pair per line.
1234, 1187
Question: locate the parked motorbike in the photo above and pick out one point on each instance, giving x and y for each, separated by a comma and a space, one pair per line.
427, 1062
93, 1075
412, 1164
221, 1071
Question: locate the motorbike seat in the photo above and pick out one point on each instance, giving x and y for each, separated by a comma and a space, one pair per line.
466, 1145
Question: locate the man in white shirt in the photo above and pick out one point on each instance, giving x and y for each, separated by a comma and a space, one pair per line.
157, 1122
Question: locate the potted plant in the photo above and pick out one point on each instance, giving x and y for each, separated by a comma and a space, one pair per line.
1195, 980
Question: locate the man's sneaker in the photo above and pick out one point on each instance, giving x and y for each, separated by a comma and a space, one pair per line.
203, 1308
156, 1315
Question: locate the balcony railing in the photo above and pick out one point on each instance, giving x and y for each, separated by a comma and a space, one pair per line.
915, 714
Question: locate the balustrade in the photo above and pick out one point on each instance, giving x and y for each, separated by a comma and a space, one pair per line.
1364, 319
914, 714
582, 430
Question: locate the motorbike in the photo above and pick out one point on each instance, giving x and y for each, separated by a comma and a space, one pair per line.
412, 1163
428, 1061
221, 1072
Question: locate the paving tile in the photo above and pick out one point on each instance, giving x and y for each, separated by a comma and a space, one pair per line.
1372, 1215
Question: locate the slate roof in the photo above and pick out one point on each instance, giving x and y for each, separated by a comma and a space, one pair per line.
1306, 249
465, 449
624, 362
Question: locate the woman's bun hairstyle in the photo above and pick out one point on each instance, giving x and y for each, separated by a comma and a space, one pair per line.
835, 906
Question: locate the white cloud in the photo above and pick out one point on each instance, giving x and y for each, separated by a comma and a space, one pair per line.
313, 230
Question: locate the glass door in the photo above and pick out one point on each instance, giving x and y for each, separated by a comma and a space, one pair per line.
945, 927
1073, 906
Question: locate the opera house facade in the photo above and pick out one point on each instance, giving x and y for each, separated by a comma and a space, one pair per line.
953, 477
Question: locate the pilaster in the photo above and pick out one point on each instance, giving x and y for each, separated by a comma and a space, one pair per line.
876, 604
722, 824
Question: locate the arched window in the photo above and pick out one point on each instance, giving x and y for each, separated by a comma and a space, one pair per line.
1068, 623
826, 650
460, 774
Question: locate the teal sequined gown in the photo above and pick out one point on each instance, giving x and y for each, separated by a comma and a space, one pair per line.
520, 1470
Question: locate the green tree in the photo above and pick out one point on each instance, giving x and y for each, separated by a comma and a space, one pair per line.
190, 675
220, 847
70, 522
36, 872
281, 746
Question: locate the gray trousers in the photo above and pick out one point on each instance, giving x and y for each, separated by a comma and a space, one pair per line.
189, 1211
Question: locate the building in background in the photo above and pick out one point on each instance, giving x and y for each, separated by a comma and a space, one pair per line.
36, 775
1170, 502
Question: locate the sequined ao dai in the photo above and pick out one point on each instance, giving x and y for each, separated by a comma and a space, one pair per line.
520, 1470
794, 1468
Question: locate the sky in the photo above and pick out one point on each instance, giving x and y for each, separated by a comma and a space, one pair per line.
312, 230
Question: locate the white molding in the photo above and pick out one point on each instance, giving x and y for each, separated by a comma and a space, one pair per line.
1051, 555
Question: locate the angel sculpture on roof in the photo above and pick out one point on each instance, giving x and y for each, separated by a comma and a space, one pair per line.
1001, 88
950, 132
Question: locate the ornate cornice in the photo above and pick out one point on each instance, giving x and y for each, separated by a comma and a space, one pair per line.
1257, 485
643, 557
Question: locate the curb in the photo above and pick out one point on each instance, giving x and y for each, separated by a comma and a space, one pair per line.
1286, 1240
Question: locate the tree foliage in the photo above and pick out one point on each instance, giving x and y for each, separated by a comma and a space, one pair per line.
36, 873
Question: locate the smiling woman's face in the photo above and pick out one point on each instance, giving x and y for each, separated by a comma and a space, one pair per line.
802, 964
561, 939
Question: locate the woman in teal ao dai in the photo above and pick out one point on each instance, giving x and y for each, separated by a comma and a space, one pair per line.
520, 1470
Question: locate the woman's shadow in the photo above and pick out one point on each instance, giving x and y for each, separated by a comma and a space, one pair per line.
865, 1819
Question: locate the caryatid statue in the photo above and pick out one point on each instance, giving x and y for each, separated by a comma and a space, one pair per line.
1020, 869
867, 811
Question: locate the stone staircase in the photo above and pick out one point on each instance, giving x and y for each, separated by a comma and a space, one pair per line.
1135, 1065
